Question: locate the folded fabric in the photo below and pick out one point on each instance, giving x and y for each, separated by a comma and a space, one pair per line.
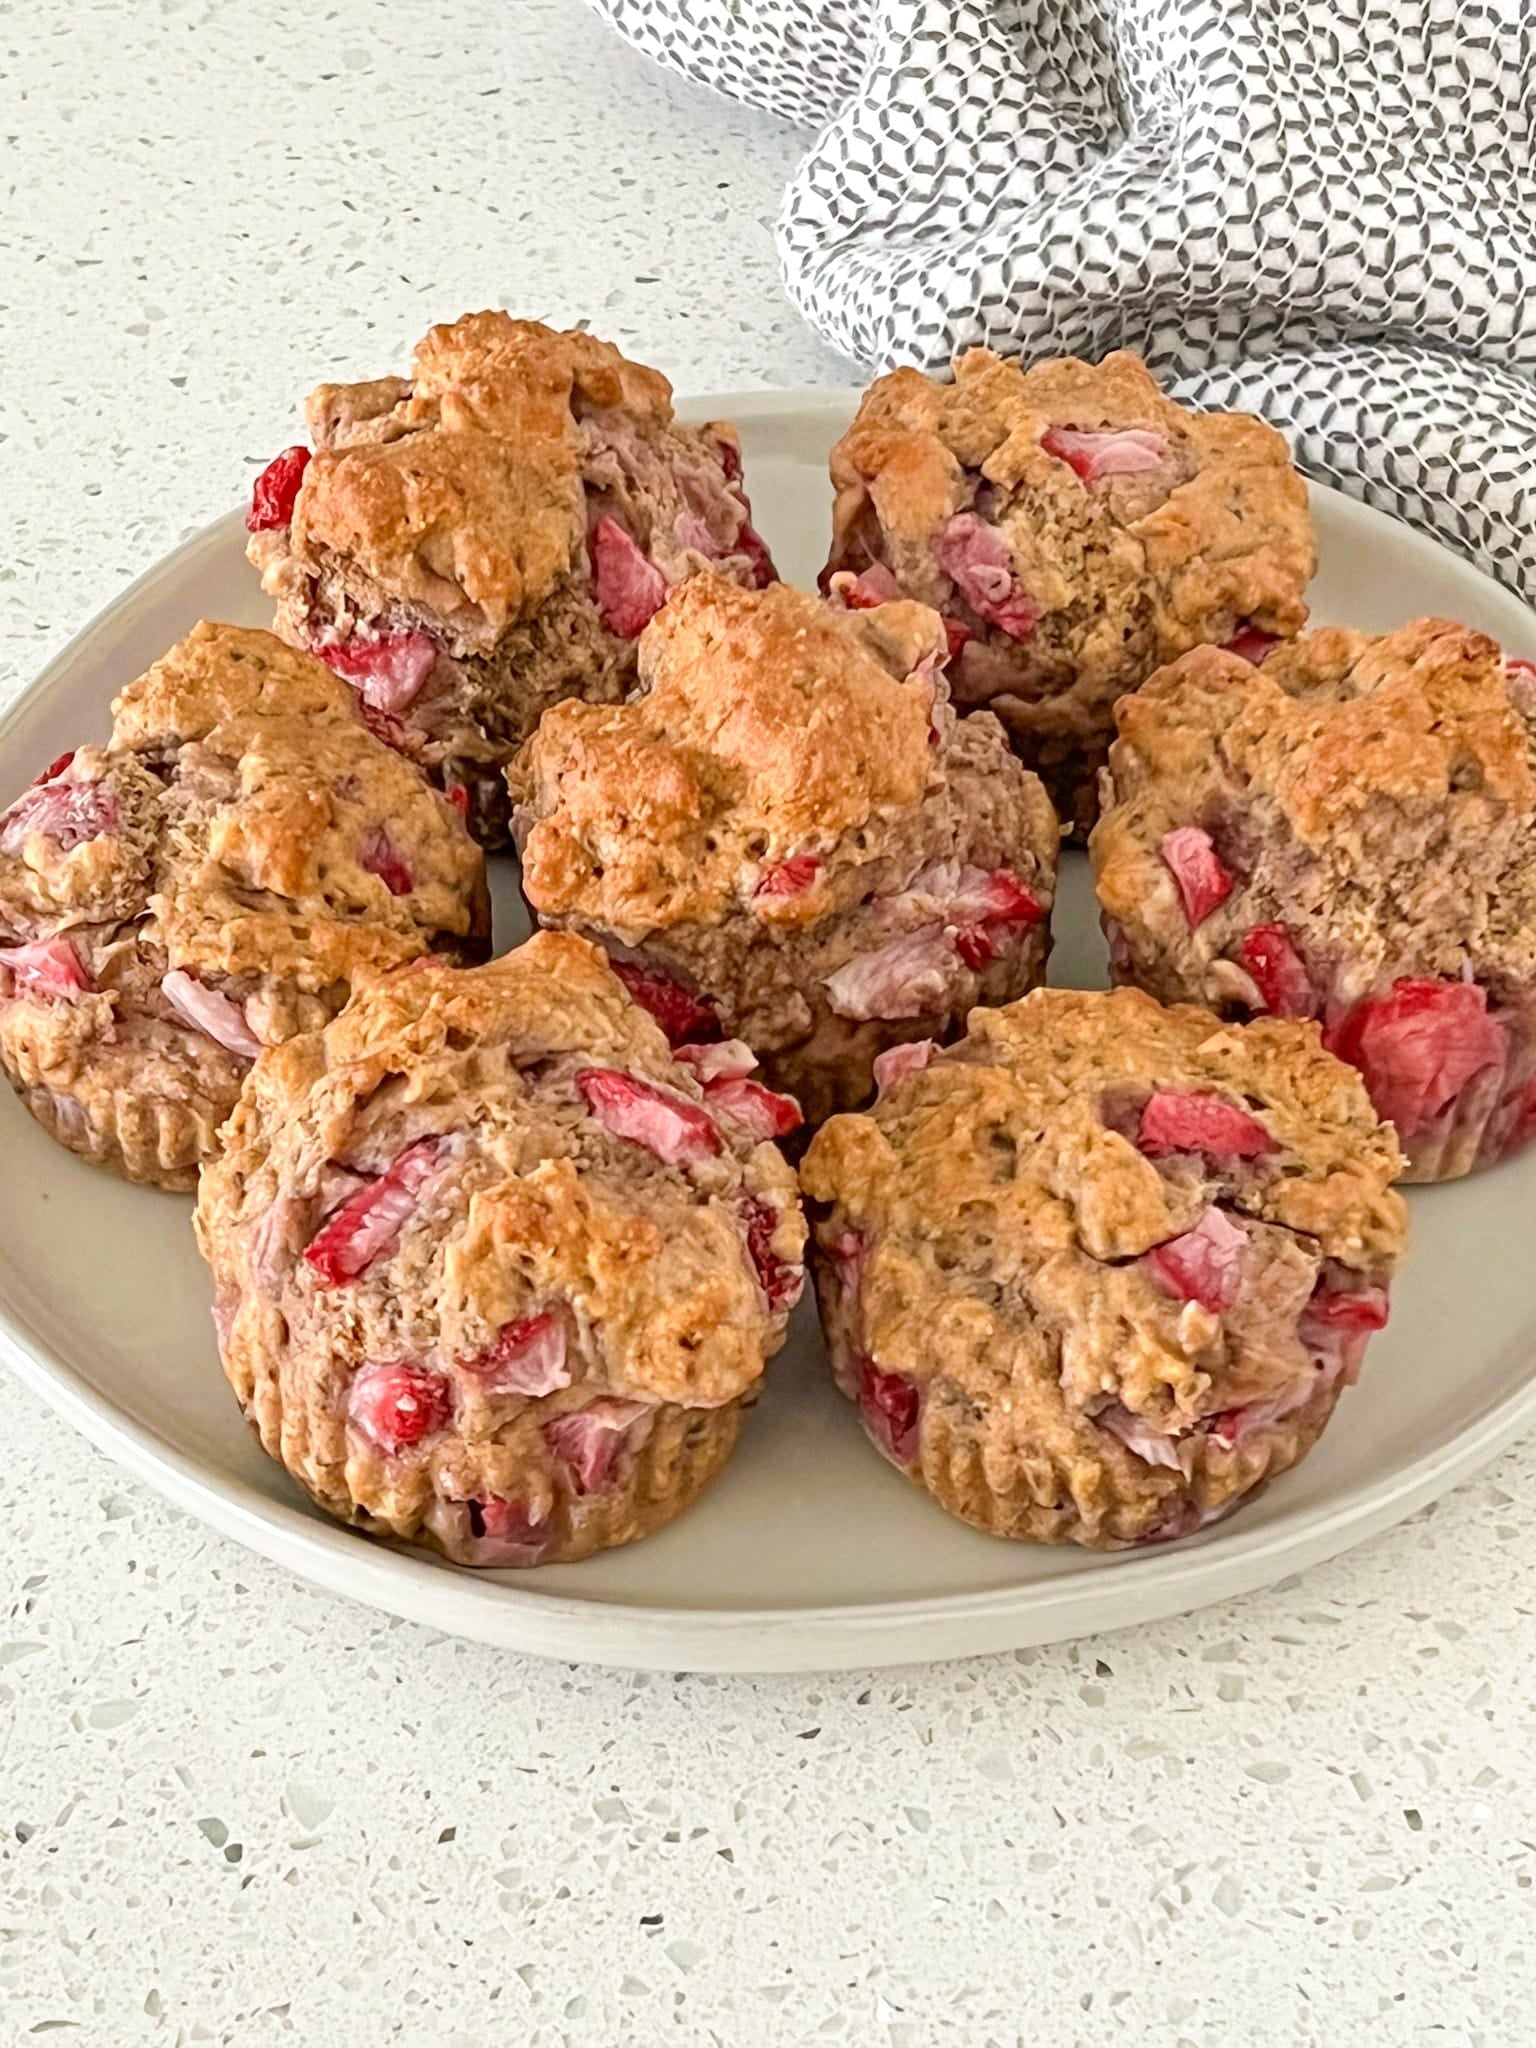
1322, 210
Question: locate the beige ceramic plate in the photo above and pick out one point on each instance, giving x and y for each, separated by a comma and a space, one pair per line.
810, 1553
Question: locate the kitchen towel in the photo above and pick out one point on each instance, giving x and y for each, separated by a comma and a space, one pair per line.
1320, 210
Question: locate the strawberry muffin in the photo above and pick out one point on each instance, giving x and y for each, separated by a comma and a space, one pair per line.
1076, 529
788, 838
1099, 1271
490, 1273
472, 543
1347, 832
210, 882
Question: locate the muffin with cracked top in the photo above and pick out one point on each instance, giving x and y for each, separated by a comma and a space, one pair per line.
1076, 529
1100, 1270
787, 839
490, 1274
1346, 832
209, 882
473, 543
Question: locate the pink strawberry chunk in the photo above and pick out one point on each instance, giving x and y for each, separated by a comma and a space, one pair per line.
726, 1061
1270, 960
1174, 1122
1250, 643
276, 491
589, 1439
891, 1406
782, 1280
1203, 883
388, 672
682, 1016
526, 1356
380, 856
790, 877
512, 1525
1105, 451
210, 1011
956, 635
677, 1131
757, 1110
397, 1404
873, 586
1142, 1438
1356, 1308
629, 589
45, 967
1205, 1264
368, 1224
1419, 1046
897, 1062
910, 976
980, 564
67, 813
848, 1251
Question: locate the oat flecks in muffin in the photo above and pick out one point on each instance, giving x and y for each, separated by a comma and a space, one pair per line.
787, 837
1347, 832
1077, 529
1101, 1269
489, 1272
210, 882
472, 544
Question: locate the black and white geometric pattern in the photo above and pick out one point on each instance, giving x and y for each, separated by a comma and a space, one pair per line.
1322, 210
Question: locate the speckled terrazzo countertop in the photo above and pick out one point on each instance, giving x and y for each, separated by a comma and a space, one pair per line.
235, 1811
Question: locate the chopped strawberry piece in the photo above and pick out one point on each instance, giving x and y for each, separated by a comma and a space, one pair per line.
848, 1251
629, 589
956, 636
1419, 1046
1141, 1437
457, 794
730, 458
1105, 451
979, 562
782, 1280
212, 1012
1517, 665
527, 1356
1203, 883
910, 976
380, 856
368, 1223
750, 542
757, 1110
588, 1440
891, 1406
1173, 1122
677, 1131
683, 1017
45, 967
1359, 1308
976, 947
1278, 971
990, 896
68, 813
689, 531
54, 768
510, 1523
276, 490
388, 672
1205, 1264
876, 585
1250, 643
726, 1061
398, 1404
897, 1062
790, 877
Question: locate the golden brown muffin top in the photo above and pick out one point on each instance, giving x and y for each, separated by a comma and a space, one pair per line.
768, 726
461, 489
1026, 1116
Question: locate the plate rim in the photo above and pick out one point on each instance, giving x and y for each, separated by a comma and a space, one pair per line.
1150, 1586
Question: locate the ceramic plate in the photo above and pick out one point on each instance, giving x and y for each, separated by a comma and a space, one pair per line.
810, 1553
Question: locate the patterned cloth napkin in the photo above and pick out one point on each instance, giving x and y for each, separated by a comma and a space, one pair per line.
1320, 210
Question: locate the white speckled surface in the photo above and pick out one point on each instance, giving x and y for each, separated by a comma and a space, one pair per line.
235, 1811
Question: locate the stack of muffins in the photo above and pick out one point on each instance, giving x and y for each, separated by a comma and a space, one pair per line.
500, 1250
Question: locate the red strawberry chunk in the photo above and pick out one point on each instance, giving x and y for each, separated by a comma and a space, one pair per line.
527, 1356
1203, 883
677, 1131
1105, 451
683, 1017
782, 1280
726, 1061
1359, 1308
45, 967
956, 636
54, 768
397, 1404
790, 877
1250, 643
987, 896
875, 585
730, 458
891, 1406
893, 1066
68, 813
976, 947
750, 542
1174, 1122
276, 490
1277, 970
380, 856
388, 672
979, 562
1205, 1264
589, 1439
629, 589
758, 1111
1517, 665
368, 1223
510, 1523
1419, 1046
457, 794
